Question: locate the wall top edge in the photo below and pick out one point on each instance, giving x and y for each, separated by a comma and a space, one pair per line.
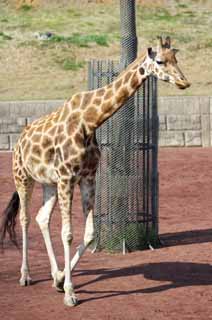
63, 100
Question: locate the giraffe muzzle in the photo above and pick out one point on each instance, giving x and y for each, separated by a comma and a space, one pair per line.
182, 84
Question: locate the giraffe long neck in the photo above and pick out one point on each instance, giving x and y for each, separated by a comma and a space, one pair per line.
107, 100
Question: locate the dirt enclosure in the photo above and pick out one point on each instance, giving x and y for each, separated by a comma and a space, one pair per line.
173, 282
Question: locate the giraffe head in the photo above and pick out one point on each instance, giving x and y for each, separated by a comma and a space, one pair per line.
163, 64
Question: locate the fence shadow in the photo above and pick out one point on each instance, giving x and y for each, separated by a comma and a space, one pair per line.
186, 237
178, 274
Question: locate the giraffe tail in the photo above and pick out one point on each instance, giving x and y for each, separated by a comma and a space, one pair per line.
8, 221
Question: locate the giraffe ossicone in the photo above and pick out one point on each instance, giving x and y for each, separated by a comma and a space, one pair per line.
60, 150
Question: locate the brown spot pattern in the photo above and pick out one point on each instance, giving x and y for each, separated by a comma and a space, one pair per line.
122, 95
46, 142
100, 92
64, 113
52, 130
60, 138
73, 123
75, 101
87, 99
63, 171
118, 84
39, 128
134, 81
68, 149
49, 155
109, 94
58, 154
97, 101
24, 141
79, 140
36, 150
91, 114
48, 125
27, 148
36, 138
107, 107
60, 129
127, 77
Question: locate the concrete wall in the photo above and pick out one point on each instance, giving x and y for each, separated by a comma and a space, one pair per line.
184, 121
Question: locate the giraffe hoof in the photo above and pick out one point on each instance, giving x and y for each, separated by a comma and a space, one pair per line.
92, 246
25, 281
59, 281
70, 301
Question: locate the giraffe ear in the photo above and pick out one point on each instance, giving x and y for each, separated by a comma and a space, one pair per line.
151, 54
159, 43
167, 43
149, 51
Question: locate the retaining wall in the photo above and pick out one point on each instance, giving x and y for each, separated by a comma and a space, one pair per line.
184, 121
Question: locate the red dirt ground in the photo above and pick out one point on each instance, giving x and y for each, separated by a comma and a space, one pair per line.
173, 282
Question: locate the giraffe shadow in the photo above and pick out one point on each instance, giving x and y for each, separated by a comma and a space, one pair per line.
186, 237
41, 280
177, 274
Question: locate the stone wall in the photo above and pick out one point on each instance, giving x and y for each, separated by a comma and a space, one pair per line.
14, 116
184, 121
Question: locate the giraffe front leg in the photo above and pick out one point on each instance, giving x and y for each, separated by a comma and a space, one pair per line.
87, 188
65, 195
43, 219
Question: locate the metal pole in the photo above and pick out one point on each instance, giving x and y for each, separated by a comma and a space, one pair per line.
128, 32
121, 152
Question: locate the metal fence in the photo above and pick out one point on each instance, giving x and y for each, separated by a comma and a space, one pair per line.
126, 207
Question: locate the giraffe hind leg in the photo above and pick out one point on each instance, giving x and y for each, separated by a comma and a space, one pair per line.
24, 189
87, 188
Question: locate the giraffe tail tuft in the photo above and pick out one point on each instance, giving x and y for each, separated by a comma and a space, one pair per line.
8, 221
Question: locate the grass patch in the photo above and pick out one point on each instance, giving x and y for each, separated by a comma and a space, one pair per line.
82, 40
4, 20
182, 5
25, 7
70, 64
187, 22
74, 13
134, 235
208, 43
4, 36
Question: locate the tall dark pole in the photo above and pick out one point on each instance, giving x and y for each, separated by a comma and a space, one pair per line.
128, 31
121, 151
128, 55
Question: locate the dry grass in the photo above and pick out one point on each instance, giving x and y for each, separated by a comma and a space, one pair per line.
32, 69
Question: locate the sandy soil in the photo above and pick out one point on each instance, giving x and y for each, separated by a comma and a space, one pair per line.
173, 282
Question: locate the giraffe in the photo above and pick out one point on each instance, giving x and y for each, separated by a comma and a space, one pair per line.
59, 151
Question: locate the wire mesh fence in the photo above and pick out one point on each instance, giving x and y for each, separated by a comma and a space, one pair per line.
126, 204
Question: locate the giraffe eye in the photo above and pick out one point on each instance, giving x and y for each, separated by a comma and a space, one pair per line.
160, 62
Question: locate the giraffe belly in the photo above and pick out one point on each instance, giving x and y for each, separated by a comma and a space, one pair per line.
43, 174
